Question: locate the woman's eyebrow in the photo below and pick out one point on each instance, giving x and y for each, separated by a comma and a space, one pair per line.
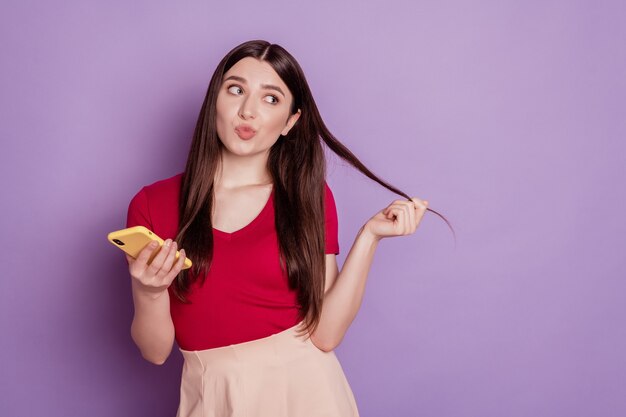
266, 86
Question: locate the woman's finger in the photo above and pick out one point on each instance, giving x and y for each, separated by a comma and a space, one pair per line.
157, 262
140, 264
178, 266
412, 219
420, 206
146, 252
405, 215
398, 214
169, 259
406, 208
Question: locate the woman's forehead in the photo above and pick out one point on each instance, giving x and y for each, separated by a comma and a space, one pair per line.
254, 71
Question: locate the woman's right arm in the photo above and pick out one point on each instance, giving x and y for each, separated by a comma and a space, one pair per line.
152, 329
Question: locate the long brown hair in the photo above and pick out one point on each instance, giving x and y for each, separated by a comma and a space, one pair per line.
298, 169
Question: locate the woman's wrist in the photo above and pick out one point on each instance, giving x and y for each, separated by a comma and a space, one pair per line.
367, 235
145, 292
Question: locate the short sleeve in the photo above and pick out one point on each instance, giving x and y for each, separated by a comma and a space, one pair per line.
138, 212
332, 227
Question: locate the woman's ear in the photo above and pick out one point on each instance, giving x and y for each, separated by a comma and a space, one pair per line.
290, 122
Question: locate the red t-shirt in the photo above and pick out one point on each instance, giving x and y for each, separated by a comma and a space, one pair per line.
245, 295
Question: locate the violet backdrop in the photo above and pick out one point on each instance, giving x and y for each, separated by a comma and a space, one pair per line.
507, 116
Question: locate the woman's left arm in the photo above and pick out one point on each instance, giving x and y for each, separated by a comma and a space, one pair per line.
344, 290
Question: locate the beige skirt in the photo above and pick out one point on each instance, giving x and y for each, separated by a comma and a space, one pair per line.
282, 375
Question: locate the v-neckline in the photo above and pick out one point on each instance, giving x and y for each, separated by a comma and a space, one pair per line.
247, 227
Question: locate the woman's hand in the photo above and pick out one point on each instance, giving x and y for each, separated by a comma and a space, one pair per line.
400, 218
155, 278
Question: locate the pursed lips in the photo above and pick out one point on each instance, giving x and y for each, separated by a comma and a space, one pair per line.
245, 131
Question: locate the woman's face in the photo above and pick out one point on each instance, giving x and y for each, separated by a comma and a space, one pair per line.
253, 95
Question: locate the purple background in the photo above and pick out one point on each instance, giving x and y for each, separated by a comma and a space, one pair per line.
509, 117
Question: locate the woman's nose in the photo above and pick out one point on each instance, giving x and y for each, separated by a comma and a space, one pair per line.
247, 110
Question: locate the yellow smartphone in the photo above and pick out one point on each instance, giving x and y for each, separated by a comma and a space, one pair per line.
133, 239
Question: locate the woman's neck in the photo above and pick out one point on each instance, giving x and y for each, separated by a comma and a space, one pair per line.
235, 171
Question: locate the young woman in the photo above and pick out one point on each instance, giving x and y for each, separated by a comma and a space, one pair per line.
259, 314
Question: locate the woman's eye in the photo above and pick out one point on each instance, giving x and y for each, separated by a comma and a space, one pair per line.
235, 89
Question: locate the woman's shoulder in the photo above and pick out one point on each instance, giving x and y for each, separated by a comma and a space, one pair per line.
156, 206
165, 187
166, 183
161, 193
328, 192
